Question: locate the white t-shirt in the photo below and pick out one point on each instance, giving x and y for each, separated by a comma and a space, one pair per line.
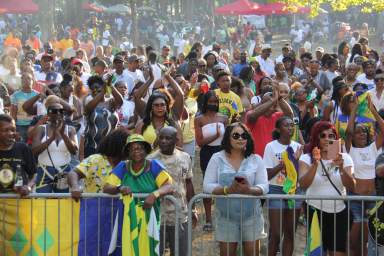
126, 111
322, 187
272, 157
364, 160
378, 102
267, 66
362, 78
136, 76
106, 35
125, 77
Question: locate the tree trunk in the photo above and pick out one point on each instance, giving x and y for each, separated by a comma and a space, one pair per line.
135, 28
46, 21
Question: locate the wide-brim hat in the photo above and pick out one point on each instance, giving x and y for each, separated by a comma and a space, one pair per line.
138, 138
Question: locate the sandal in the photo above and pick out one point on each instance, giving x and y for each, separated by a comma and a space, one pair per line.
208, 227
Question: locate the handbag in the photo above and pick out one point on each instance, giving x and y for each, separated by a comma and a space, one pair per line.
329, 178
60, 180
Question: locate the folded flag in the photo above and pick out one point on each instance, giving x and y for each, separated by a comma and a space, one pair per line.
291, 167
314, 247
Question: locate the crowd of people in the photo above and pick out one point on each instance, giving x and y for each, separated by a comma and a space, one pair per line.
84, 114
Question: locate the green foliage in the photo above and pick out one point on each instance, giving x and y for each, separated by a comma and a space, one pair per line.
366, 6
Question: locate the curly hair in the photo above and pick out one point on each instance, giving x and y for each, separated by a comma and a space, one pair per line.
226, 142
113, 144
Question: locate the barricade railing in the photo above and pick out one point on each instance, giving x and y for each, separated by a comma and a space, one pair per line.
227, 210
54, 224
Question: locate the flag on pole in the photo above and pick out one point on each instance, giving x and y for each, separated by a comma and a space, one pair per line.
314, 246
291, 167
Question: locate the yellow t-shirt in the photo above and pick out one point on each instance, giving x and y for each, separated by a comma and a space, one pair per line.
229, 104
96, 169
188, 126
65, 44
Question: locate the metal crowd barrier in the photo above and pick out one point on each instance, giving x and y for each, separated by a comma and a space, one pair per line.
65, 234
203, 243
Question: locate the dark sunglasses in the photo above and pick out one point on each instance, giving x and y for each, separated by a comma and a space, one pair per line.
330, 136
237, 136
55, 111
159, 105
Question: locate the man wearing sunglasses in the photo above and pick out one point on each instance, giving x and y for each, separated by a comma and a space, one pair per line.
377, 94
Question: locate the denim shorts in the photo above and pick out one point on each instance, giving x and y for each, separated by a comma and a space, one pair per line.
250, 229
359, 210
280, 203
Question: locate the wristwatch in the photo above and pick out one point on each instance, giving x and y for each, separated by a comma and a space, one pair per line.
156, 193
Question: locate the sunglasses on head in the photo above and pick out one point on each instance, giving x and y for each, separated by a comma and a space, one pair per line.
55, 111
330, 136
237, 136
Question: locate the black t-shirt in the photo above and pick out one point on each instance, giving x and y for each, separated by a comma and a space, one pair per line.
20, 154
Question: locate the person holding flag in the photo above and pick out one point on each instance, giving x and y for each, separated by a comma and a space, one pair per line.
281, 160
139, 175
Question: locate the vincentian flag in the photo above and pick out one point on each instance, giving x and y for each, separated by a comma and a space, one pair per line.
291, 167
314, 247
94, 226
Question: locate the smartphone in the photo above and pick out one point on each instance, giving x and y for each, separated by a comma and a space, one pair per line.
334, 148
240, 179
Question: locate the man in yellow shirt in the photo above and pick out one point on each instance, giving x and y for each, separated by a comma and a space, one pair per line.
65, 43
229, 102
95, 169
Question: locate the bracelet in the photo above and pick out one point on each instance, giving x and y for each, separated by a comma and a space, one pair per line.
225, 190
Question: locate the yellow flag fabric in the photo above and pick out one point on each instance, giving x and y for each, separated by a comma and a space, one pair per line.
33, 227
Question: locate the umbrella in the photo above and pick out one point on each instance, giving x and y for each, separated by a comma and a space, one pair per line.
239, 7
14, 6
118, 8
93, 7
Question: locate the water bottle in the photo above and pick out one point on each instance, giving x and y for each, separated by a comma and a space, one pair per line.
19, 177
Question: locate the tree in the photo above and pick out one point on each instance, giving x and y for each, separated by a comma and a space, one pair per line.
338, 5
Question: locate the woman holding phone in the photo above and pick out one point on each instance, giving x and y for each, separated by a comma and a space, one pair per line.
324, 174
280, 212
236, 170
364, 150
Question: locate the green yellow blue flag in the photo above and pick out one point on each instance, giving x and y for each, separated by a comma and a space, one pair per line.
291, 167
314, 247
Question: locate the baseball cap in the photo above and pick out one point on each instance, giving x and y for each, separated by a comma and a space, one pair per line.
266, 47
133, 58
320, 49
47, 56
118, 58
77, 61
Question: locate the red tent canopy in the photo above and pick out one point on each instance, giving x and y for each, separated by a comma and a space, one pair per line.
15, 6
91, 7
280, 9
239, 7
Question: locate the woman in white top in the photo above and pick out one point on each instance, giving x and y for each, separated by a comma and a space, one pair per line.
236, 170
321, 176
209, 129
281, 212
53, 144
364, 152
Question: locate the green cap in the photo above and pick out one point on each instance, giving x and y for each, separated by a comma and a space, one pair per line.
139, 138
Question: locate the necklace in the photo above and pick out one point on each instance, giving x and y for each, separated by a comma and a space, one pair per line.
133, 172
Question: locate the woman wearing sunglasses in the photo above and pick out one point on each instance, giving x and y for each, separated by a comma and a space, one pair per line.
236, 170
284, 213
321, 175
53, 145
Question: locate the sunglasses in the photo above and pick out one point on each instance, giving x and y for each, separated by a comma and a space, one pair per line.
159, 105
330, 136
55, 111
237, 136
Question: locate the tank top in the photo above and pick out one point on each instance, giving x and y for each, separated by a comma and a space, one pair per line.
60, 155
210, 130
150, 133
